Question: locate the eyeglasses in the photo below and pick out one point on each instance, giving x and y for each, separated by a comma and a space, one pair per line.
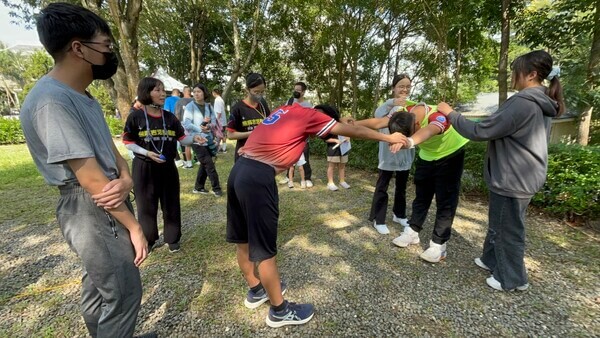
405, 87
108, 45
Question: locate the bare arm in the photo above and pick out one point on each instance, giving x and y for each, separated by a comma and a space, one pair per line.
426, 133
115, 191
373, 123
238, 135
92, 179
362, 132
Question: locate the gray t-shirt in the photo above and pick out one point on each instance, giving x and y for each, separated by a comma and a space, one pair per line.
61, 124
304, 103
388, 161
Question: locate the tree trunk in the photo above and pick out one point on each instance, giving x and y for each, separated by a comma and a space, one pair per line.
503, 61
593, 69
239, 66
457, 66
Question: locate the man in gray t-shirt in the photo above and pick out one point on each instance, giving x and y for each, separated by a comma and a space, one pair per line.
72, 148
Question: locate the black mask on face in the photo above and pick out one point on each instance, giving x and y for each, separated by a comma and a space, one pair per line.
296, 94
108, 69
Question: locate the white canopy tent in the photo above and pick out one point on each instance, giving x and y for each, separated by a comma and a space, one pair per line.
170, 82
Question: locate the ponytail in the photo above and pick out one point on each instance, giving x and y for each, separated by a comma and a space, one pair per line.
555, 92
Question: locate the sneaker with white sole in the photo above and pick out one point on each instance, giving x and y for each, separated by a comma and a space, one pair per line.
290, 184
481, 264
179, 163
495, 284
293, 314
284, 180
332, 187
401, 221
309, 184
256, 299
381, 228
406, 238
303, 184
435, 253
345, 185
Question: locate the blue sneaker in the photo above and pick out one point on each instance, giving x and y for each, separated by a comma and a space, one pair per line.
293, 314
256, 299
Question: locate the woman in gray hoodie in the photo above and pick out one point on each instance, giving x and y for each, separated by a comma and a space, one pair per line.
515, 164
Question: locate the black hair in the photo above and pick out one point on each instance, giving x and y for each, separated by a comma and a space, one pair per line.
402, 122
217, 90
399, 77
254, 80
203, 88
541, 62
301, 84
145, 87
330, 111
59, 23
175, 90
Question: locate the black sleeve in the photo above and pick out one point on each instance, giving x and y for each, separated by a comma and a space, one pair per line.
131, 130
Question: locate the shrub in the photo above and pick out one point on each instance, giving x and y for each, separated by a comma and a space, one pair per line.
10, 131
573, 183
115, 125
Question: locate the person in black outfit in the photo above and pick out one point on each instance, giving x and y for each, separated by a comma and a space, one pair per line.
152, 135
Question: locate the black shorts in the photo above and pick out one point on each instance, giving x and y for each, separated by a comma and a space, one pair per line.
253, 208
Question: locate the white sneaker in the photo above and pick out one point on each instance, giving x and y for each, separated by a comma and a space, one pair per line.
345, 185
482, 265
332, 187
495, 284
187, 165
401, 221
179, 163
381, 228
435, 253
309, 184
284, 180
303, 184
290, 184
406, 238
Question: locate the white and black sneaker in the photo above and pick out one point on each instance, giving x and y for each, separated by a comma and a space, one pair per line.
293, 314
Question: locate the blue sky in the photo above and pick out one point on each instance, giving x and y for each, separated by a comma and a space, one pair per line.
11, 34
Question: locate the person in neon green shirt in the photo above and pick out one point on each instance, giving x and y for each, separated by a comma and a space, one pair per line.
438, 170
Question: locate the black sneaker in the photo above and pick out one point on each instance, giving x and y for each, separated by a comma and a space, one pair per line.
174, 247
256, 299
293, 314
218, 193
200, 191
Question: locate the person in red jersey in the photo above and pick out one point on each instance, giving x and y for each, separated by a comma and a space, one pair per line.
253, 202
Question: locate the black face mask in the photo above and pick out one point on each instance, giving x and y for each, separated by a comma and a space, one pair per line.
296, 94
108, 69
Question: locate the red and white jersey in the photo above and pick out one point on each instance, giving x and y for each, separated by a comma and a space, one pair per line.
280, 139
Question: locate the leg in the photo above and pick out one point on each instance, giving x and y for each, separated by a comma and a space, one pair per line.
380, 197
448, 173
330, 167
269, 278
188, 153
111, 284
247, 266
291, 173
170, 204
211, 171
200, 153
144, 187
400, 193
424, 190
342, 171
302, 173
306, 166
509, 243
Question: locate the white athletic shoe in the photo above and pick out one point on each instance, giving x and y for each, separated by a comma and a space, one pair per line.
495, 284
406, 238
345, 185
290, 184
381, 228
303, 184
309, 184
284, 180
332, 187
401, 221
435, 253
179, 163
482, 265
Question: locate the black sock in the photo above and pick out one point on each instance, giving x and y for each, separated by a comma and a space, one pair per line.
256, 288
280, 307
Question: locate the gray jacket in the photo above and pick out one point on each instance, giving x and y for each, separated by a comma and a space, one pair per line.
517, 153
399, 161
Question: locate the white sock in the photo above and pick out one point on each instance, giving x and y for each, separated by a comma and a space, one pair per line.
224, 146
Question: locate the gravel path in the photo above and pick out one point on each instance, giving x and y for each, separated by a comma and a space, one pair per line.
360, 283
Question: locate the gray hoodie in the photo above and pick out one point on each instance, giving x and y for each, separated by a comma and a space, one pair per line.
517, 154
399, 161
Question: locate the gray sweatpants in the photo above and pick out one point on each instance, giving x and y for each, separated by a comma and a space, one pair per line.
111, 285
504, 246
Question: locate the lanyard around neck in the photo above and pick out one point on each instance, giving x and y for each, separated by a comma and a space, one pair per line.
149, 137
